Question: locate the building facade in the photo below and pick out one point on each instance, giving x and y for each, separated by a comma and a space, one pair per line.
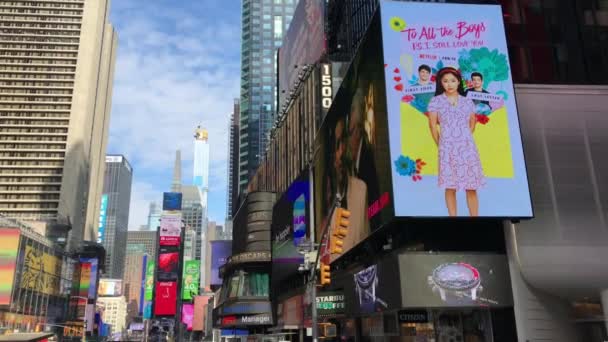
117, 190
263, 25
154, 214
56, 72
192, 216
232, 193
135, 269
145, 238
114, 312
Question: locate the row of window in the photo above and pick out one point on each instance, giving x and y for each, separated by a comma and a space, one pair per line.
35, 91
34, 115
29, 188
34, 25
50, 84
65, 107
39, 18
8, 54
28, 206
45, 163
40, 39
33, 146
35, 98
32, 154
39, 47
32, 138
33, 75
40, 11
29, 197
63, 4
38, 32
26, 61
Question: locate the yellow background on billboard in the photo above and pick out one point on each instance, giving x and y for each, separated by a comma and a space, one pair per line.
42, 271
492, 140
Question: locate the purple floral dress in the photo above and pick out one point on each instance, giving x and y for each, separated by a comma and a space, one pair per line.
459, 164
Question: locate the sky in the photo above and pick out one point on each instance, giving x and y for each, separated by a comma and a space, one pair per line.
177, 67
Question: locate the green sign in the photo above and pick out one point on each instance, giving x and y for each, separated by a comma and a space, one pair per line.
330, 302
190, 279
149, 281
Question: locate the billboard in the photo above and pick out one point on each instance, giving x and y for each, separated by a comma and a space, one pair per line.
188, 315
220, 251
455, 141
374, 288
91, 285
142, 290
191, 279
440, 280
354, 156
172, 201
110, 287
168, 263
9, 245
170, 230
85, 281
165, 301
290, 221
304, 43
149, 287
41, 272
103, 212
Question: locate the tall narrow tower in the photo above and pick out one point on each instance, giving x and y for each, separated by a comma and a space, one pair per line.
201, 181
176, 184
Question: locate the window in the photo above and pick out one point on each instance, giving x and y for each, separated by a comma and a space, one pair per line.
278, 27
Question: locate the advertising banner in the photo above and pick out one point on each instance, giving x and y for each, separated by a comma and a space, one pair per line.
354, 156
191, 279
91, 285
188, 315
142, 290
172, 201
449, 279
455, 141
290, 221
304, 43
85, 281
165, 301
42, 271
375, 288
168, 263
170, 230
220, 251
149, 281
148, 310
110, 287
9, 245
103, 212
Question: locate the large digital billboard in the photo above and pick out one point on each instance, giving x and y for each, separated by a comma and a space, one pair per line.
374, 288
220, 251
168, 263
290, 222
188, 315
143, 285
170, 230
455, 141
353, 159
191, 279
449, 279
149, 287
9, 245
110, 287
103, 213
165, 301
172, 201
91, 286
41, 272
304, 43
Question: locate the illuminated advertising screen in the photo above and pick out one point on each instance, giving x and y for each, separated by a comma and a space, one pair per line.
165, 301
103, 212
91, 285
374, 288
85, 282
303, 43
290, 221
354, 157
170, 230
149, 287
9, 244
142, 290
220, 251
168, 263
41, 272
172, 201
448, 279
188, 315
110, 287
455, 141
190, 279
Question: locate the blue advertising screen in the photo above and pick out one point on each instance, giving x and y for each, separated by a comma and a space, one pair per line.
172, 201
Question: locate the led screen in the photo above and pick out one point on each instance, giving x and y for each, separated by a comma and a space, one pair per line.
9, 244
455, 141
165, 298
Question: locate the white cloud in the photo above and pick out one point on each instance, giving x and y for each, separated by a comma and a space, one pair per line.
176, 69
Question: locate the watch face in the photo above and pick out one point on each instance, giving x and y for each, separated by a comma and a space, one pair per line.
456, 276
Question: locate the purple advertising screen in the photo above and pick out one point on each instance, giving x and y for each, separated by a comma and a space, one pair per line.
220, 251
143, 284
304, 43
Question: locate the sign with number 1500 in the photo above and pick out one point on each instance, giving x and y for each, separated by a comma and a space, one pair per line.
326, 86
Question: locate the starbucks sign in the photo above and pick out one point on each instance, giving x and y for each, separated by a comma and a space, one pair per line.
330, 303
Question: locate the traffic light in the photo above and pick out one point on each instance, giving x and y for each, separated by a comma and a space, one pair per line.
340, 231
325, 274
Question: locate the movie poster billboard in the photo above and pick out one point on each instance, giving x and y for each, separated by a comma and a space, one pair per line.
170, 230
165, 301
455, 141
220, 251
353, 159
149, 288
304, 43
191, 279
9, 245
290, 222
451, 279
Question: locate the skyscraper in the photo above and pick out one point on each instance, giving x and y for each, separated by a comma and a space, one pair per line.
147, 238
117, 190
56, 70
263, 25
233, 161
154, 216
135, 266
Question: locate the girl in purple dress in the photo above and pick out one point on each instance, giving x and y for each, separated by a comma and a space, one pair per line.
452, 121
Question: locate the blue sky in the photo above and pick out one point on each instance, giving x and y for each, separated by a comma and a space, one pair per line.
177, 66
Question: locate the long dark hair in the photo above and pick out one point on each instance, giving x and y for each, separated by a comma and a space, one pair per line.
444, 71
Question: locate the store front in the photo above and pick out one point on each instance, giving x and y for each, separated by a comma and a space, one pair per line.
430, 297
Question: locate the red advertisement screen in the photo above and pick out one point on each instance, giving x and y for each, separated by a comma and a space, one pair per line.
166, 298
